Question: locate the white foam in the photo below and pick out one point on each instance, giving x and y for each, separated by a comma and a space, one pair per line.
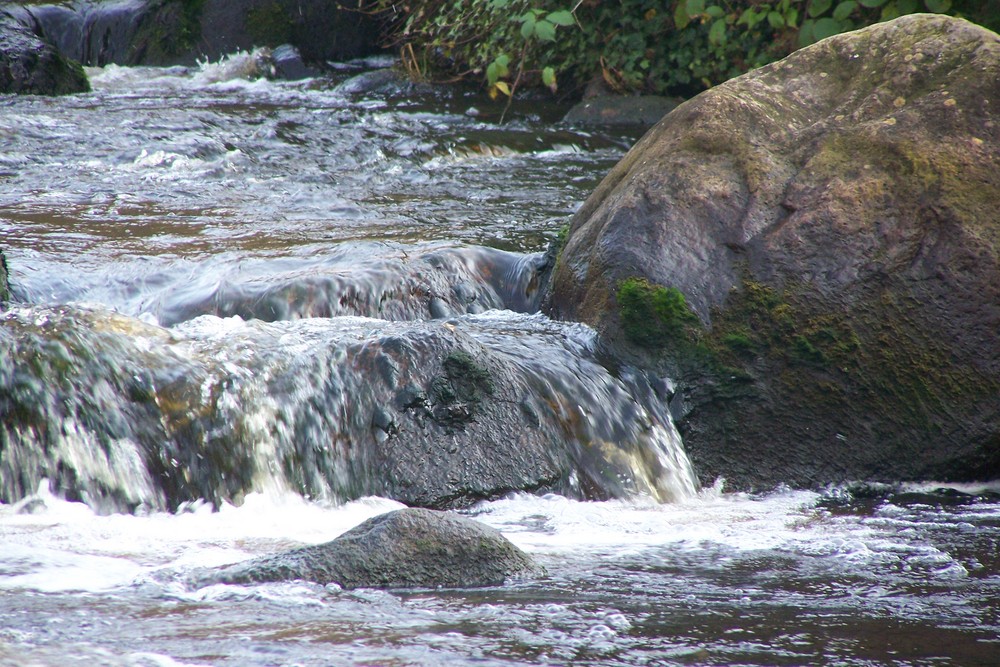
556, 524
67, 547
145, 659
241, 69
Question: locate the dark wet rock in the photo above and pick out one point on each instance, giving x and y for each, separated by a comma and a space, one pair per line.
169, 32
4, 279
621, 110
386, 81
320, 30
288, 64
94, 33
28, 65
832, 220
408, 548
437, 414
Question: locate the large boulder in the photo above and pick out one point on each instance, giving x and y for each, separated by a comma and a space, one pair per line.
833, 220
408, 548
31, 66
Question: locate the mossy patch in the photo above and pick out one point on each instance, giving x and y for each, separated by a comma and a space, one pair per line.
871, 354
71, 77
170, 29
759, 321
562, 236
269, 25
654, 316
458, 393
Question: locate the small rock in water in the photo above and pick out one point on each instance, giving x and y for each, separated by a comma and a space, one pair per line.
408, 548
32, 506
288, 64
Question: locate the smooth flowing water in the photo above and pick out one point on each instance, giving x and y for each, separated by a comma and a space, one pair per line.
198, 256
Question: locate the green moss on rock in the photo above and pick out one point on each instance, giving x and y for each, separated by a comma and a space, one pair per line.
269, 25
29, 66
653, 315
169, 31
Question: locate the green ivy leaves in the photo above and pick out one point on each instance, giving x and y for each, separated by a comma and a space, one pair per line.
850, 14
549, 78
779, 15
655, 46
536, 26
844, 10
497, 69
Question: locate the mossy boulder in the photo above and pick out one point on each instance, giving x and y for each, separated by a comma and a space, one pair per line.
833, 219
31, 66
408, 548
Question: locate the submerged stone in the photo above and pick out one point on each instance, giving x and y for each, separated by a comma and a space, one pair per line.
832, 220
621, 110
408, 548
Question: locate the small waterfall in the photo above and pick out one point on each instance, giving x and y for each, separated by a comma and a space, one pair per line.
371, 280
124, 414
93, 33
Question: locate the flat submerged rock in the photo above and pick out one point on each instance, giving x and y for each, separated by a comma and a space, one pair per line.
408, 548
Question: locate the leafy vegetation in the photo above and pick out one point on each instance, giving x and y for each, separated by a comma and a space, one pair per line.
652, 46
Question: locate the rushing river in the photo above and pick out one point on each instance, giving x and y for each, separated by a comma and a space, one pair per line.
224, 245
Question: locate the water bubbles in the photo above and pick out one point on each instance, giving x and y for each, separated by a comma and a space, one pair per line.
617, 620
600, 634
145, 659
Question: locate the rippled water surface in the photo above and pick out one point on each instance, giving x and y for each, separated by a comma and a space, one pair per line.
187, 197
165, 174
